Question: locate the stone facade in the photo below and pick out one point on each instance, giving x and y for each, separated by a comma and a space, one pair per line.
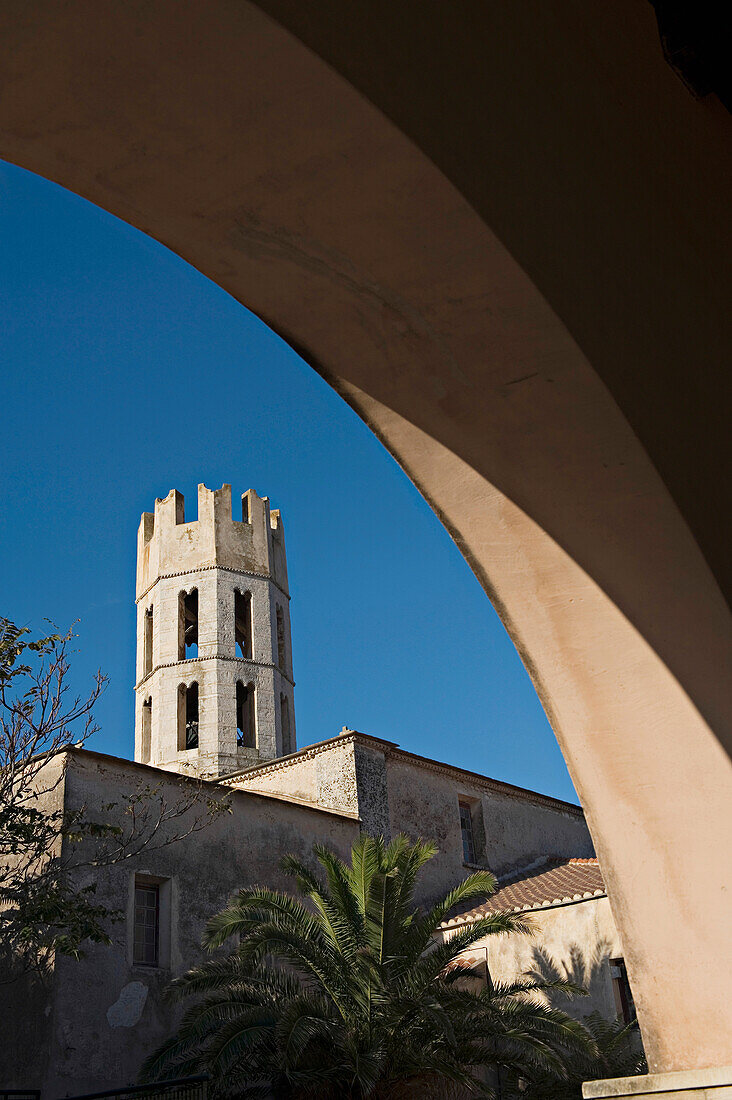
208, 561
394, 791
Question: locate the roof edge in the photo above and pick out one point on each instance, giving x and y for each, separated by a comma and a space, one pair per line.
392, 748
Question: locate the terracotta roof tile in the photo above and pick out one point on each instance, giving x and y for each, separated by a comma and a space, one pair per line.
550, 883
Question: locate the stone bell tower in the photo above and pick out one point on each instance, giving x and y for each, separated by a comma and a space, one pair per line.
214, 691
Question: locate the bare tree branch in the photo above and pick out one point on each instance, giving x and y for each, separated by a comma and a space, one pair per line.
49, 852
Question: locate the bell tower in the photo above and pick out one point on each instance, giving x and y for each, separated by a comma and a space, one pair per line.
214, 690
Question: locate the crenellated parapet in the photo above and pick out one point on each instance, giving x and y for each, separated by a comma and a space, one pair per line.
167, 543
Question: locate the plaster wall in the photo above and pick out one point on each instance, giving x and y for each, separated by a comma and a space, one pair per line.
509, 829
296, 776
102, 1015
324, 774
572, 942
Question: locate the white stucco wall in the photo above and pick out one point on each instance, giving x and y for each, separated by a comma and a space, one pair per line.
573, 942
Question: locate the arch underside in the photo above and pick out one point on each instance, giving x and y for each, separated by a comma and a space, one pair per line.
216, 131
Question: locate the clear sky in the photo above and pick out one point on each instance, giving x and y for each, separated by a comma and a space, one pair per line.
126, 373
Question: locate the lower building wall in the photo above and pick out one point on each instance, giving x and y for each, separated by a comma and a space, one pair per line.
98, 1018
573, 942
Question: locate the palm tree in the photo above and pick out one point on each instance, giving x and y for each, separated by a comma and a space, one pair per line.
347, 994
619, 1053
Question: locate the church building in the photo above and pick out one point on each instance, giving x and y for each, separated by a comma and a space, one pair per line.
215, 718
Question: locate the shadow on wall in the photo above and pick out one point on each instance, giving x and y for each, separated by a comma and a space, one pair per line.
590, 970
616, 1033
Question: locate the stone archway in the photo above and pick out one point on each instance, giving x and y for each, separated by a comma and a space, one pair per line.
216, 131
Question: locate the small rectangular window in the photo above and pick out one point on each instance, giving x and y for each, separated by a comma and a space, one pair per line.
621, 988
466, 828
146, 950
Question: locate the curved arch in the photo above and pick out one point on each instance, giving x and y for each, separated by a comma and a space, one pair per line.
246, 154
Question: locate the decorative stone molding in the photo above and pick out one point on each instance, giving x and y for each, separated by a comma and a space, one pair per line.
216, 657
205, 569
390, 748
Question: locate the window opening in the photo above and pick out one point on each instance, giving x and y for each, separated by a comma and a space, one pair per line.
466, 828
146, 730
281, 639
285, 722
245, 509
146, 949
188, 624
246, 736
147, 658
624, 1005
243, 623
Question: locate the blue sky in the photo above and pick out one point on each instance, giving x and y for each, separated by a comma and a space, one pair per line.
126, 373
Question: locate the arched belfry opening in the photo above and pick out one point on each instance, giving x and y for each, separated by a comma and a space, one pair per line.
146, 730
188, 716
285, 725
188, 624
147, 660
281, 643
246, 720
243, 627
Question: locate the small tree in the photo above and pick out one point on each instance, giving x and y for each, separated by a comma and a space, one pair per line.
346, 993
48, 852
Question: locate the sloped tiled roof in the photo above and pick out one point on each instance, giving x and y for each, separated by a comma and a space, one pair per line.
553, 882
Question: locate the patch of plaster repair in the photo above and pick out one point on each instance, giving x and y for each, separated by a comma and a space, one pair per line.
127, 1009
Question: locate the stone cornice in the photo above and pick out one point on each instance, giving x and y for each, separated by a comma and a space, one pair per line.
521, 794
206, 569
215, 657
287, 761
390, 748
